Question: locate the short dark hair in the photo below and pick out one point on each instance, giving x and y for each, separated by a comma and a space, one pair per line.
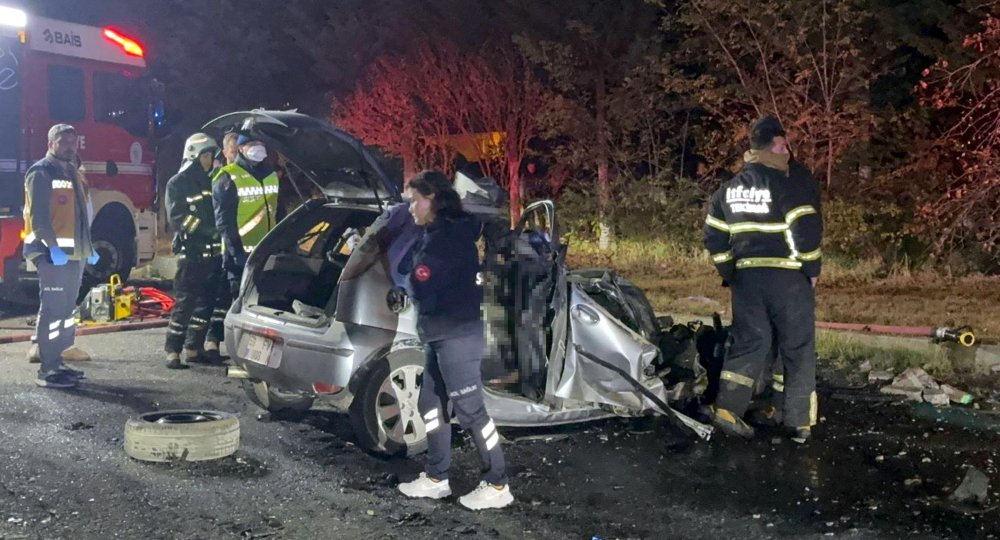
763, 131
58, 129
446, 202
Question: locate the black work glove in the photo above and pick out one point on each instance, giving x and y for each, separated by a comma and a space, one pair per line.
397, 299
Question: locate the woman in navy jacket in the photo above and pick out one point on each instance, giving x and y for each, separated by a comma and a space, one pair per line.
443, 285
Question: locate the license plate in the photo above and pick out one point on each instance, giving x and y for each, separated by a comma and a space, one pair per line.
258, 349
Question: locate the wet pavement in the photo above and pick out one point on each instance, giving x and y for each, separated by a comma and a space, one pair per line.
874, 470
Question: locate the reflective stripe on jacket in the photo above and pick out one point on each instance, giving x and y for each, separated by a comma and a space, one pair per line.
258, 203
190, 213
765, 218
57, 210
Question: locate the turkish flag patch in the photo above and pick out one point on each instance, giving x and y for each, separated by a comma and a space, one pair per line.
422, 272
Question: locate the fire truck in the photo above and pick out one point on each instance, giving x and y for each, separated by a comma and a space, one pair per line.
95, 79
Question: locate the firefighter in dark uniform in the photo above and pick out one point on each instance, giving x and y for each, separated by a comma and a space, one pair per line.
763, 231
245, 195
767, 408
443, 286
198, 247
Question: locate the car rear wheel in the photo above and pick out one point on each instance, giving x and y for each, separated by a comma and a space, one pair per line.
275, 400
384, 411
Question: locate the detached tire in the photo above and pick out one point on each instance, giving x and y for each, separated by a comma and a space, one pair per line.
166, 436
274, 400
384, 411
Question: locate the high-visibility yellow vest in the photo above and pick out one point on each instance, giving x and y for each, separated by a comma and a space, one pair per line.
63, 208
258, 207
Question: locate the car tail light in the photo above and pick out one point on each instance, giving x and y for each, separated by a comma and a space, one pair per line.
324, 388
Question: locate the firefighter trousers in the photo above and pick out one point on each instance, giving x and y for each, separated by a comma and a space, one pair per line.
55, 327
224, 290
194, 294
772, 304
452, 375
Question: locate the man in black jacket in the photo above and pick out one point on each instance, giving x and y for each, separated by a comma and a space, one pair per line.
198, 248
763, 231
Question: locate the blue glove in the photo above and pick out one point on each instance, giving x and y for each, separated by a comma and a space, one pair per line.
92, 260
58, 256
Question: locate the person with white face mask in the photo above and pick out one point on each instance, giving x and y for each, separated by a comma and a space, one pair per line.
245, 197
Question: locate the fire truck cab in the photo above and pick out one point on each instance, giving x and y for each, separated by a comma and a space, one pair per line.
95, 79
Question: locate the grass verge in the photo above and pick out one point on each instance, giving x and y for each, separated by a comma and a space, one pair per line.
682, 281
846, 351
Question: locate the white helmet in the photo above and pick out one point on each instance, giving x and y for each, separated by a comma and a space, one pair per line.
198, 144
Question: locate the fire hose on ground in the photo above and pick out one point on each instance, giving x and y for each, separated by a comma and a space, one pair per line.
962, 335
91, 330
124, 309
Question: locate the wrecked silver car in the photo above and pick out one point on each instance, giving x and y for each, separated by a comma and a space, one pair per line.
313, 321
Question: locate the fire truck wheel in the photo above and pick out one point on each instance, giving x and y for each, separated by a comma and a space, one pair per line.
15, 298
182, 435
117, 253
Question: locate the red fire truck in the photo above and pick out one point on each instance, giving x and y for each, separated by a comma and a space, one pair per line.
95, 79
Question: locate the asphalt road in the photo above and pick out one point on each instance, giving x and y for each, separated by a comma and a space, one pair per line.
873, 472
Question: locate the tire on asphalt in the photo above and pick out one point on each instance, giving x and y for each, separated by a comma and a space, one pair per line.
371, 411
275, 400
182, 435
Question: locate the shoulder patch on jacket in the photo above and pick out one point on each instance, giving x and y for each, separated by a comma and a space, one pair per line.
422, 272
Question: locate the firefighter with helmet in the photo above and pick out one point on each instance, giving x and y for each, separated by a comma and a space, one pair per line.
198, 247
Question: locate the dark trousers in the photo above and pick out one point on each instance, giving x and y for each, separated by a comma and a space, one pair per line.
452, 376
772, 304
225, 290
55, 327
194, 295
770, 388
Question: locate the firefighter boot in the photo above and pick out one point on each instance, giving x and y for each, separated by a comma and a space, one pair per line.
802, 434
194, 356
174, 361
767, 416
730, 424
212, 354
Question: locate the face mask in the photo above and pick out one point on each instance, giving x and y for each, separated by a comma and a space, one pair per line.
256, 153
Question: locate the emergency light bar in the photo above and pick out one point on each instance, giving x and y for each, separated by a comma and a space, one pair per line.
129, 46
13, 17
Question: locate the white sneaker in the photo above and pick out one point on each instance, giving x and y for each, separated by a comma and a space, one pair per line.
426, 487
487, 496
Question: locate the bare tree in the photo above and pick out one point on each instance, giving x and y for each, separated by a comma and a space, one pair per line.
415, 105
967, 153
799, 61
